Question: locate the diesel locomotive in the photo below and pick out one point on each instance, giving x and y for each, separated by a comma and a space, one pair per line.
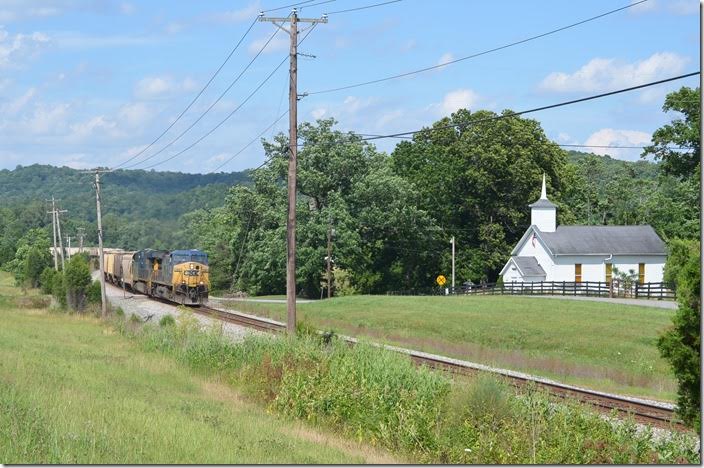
179, 276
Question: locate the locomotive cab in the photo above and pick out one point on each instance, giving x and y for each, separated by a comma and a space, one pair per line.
190, 276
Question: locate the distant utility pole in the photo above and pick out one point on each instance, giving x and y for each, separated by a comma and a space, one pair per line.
331, 232
68, 239
292, 143
53, 225
101, 260
58, 233
81, 232
453, 262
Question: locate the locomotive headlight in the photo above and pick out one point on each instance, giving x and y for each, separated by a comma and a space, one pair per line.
202, 283
192, 266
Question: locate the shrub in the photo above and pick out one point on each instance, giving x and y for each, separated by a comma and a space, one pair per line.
681, 343
167, 321
77, 281
119, 312
46, 280
93, 293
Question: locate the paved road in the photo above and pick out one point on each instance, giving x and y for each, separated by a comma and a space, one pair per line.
639, 302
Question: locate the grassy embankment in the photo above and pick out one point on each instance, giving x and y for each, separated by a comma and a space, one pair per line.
605, 346
73, 390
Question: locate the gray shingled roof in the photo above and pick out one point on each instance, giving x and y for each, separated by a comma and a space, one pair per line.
616, 240
529, 266
543, 203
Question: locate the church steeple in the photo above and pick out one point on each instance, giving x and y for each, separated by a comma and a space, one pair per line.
543, 213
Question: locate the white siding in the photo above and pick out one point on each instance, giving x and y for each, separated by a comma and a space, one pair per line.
562, 267
544, 218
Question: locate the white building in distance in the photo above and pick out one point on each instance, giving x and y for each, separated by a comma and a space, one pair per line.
548, 252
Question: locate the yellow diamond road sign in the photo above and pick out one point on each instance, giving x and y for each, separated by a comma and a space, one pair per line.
441, 280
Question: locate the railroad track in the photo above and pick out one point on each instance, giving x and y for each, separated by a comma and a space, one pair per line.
641, 411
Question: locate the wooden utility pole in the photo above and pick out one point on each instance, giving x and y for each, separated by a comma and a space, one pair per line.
81, 232
292, 146
329, 258
53, 225
453, 263
101, 260
58, 233
68, 240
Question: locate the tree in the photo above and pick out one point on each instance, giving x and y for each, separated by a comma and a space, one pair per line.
680, 133
477, 175
76, 282
31, 257
681, 343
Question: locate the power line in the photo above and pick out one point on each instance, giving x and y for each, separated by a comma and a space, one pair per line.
230, 114
251, 142
551, 106
194, 99
211, 106
478, 54
288, 6
363, 7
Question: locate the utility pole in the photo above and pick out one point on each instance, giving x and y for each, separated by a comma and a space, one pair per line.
81, 232
453, 263
53, 225
101, 260
292, 146
331, 232
68, 239
58, 232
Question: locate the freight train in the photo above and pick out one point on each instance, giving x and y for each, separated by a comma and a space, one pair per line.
179, 276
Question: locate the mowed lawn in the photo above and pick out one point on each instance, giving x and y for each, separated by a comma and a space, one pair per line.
606, 346
73, 391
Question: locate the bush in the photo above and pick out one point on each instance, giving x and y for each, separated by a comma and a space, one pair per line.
93, 294
681, 343
380, 397
167, 321
119, 312
58, 289
77, 281
46, 280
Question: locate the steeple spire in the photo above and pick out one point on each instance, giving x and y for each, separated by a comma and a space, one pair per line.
543, 192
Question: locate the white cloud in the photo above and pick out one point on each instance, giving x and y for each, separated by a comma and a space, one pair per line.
158, 86
458, 99
174, 28
645, 7
446, 58
134, 114
99, 125
319, 112
614, 137
127, 8
19, 46
237, 16
278, 43
76, 40
601, 74
18, 103
675, 7
47, 118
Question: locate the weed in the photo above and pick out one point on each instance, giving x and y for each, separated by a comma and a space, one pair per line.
167, 321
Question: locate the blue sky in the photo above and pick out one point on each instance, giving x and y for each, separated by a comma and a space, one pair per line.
88, 82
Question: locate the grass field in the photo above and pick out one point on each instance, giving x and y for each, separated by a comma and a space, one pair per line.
604, 346
72, 390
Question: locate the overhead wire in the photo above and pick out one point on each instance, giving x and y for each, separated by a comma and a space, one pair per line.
362, 7
227, 59
478, 54
210, 132
219, 98
536, 109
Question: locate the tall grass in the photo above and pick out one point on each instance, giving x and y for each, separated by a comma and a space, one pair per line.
380, 397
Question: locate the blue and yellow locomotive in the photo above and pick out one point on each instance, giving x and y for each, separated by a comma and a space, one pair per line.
178, 275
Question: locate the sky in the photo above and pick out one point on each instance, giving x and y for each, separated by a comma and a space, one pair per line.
86, 83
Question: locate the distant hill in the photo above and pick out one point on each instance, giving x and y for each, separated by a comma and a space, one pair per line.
140, 208
641, 169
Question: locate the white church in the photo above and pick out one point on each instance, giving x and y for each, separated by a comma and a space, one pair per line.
548, 252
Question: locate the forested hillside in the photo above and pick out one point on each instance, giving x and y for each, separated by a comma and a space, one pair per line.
140, 208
